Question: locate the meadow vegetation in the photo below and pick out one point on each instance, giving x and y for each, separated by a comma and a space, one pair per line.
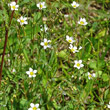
57, 55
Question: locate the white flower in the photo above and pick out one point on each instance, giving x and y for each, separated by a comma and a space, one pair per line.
13, 70
72, 76
9, 61
31, 72
82, 21
22, 20
90, 76
73, 49
108, 105
13, 6
78, 64
80, 48
70, 39
45, 28
74, 4
41, 5
45, 44
34, 107
66, 16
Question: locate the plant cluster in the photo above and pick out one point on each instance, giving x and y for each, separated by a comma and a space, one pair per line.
57, 55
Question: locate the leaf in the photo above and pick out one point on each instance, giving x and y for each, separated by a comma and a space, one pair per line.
106, 93
86, 90
99, 73
37, 16
23, 103
101, 34
24, 1
63, 54
92, 64
25, 55
105, 77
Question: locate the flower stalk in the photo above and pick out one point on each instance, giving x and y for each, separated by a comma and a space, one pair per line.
5, 44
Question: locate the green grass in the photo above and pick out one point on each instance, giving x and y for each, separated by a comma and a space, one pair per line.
54, 86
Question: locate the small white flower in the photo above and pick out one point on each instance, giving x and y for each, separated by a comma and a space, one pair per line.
8, 62
46, 44
13, 6
70, 39
13, 70
63, 93
41, 5
82, 21
72, 76
78, 64
90, 76
31, 72
73, 49
74, 4
108, 105
8, 55
22, 20
34, 107
66, 16
80, 48
45, 28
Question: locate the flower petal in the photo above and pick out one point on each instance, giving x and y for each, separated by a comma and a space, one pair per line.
28, 72
81, 65
18, 20
49, 46
32, 105
93, 75
34, 75
42, 43
30, 109
30, 76
80, 61
88, 73
76, 61
37, 105
45, 40
30, 69
78, 67
35, 71
45, 47
25, 22
49, 41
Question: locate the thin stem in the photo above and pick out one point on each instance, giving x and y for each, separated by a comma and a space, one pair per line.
6, 39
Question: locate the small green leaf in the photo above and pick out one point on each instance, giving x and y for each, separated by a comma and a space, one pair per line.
105, 77
37, 16
93, 64
25, 55
63, 54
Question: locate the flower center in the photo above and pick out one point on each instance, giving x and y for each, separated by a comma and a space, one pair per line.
78, 64
31, 73
13, 7
74, 6
45, 43
81, 22
72, 49
69, 40
34, 108
22, 21
41, 5
90, 75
